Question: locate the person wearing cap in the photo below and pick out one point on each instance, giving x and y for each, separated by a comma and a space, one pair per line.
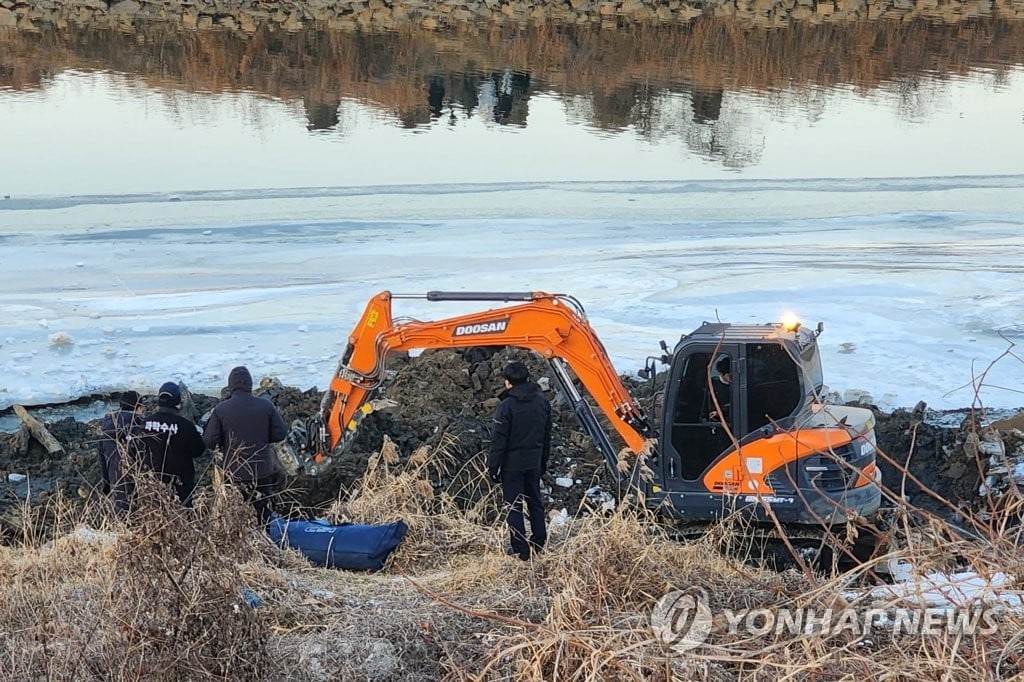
518, 456
121, 449
243, 426
172, 442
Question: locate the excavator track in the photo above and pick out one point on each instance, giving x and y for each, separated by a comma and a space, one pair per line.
824, 550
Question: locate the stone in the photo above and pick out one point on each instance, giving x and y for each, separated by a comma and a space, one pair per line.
125, 7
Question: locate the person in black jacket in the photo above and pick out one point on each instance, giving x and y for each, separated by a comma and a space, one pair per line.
243, 426
121, 449
172, 442
518, 457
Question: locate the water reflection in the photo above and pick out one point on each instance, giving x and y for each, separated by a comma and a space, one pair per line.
707, 87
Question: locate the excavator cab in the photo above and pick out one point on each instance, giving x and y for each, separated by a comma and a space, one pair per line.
719, 389
738, 401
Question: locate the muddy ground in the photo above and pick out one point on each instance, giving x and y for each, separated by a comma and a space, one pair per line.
446, 399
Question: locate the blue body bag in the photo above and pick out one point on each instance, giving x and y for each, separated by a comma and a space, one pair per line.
355, 546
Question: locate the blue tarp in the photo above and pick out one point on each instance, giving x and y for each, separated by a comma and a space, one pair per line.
355, 546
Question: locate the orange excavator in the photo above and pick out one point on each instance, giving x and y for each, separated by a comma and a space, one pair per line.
742, 426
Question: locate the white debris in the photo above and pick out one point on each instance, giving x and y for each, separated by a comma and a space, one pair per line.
61, 339
92, 536
992, 448
207, 232
557, 519
323, 595
1018, 473
303, 328
44, 324
944, 590
563, 481
856, 395
16, 478
601, 499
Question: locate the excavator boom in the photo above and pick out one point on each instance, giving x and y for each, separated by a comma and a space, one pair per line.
553, 325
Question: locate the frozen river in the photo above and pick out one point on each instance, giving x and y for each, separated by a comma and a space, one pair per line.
157, 231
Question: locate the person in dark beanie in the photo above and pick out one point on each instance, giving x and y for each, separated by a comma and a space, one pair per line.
518, 456
243, 426
121, 449
172, 442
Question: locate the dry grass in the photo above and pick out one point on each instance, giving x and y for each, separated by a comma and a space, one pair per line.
159, 596
156, 595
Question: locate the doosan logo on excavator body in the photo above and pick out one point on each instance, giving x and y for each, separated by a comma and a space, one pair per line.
493, 327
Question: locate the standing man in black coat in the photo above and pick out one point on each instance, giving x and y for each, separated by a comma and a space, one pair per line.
518, 457
243, 426
121, 450
172, 442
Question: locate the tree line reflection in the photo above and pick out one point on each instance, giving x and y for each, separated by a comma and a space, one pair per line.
660, 83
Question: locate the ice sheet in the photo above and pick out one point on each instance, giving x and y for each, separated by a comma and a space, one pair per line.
918, 280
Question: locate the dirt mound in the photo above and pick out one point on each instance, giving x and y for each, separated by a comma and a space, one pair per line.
446, 399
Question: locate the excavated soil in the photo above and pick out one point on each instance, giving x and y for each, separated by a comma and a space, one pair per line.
446, 399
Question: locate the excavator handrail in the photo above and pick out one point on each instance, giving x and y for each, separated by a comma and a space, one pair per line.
553, 325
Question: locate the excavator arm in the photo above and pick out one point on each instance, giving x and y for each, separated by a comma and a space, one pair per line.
553, 325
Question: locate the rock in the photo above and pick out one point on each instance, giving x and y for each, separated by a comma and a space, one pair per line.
125, 7
564, 482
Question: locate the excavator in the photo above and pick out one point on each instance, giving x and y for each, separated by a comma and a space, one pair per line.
763, 444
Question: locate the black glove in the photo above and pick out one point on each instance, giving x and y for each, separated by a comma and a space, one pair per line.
495, 475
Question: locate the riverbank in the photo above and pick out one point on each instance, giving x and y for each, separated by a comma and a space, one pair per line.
247, 16
171, 594
446, 400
